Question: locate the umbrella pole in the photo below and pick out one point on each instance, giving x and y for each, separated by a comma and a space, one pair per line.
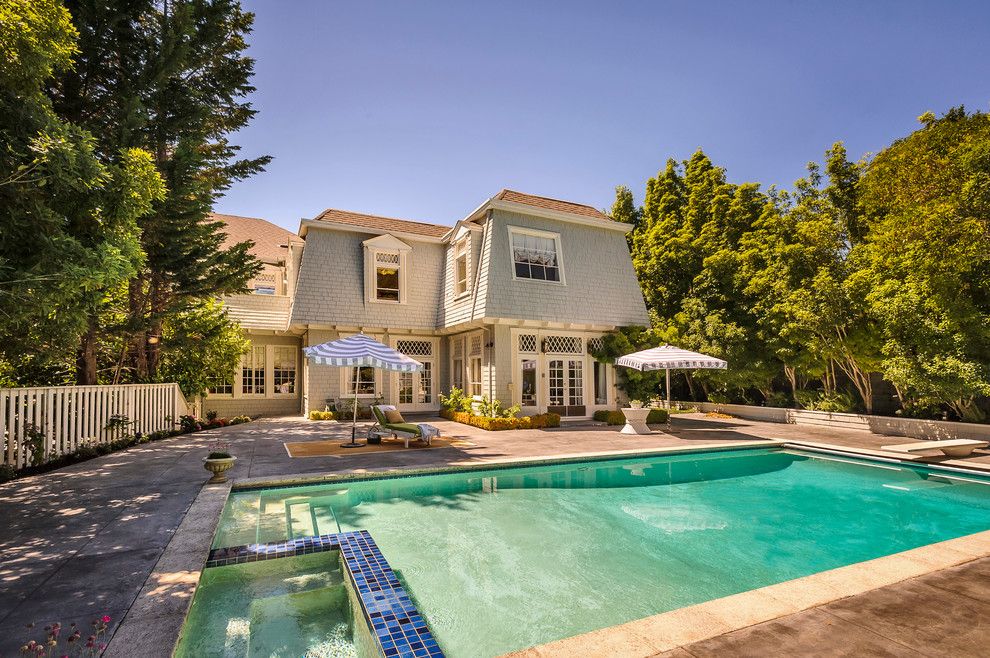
354, 421
668, 388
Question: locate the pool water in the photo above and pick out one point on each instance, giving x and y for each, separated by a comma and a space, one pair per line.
282, 608
504, 559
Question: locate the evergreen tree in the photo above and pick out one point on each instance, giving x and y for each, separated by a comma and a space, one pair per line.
170, 77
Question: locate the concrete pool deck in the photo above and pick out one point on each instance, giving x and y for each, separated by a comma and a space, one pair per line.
86, 540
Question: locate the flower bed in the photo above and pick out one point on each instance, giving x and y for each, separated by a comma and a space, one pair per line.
495, 424
614, 417
321, 415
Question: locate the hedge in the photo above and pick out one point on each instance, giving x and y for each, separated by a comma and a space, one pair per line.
321, 415
614, 417
495, 424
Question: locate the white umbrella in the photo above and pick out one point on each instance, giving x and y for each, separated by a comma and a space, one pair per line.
668, 357
357, 351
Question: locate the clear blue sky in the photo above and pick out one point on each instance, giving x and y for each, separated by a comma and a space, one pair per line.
422, 110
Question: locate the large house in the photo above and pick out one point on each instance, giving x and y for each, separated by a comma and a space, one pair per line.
506, 304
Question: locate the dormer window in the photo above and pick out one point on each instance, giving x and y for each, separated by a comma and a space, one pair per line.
387, 277
386, 272
535, 255
462, 269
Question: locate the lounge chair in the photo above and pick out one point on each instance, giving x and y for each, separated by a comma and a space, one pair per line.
950, 448
403, 430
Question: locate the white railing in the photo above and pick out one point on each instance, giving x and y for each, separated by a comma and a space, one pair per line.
70, 416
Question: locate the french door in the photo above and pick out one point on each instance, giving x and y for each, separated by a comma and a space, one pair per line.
416, 391
565, 380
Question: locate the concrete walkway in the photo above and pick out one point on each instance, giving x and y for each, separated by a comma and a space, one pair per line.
80, 542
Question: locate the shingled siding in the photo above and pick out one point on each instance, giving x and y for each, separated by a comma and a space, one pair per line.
601, 285
457, 310
331, 284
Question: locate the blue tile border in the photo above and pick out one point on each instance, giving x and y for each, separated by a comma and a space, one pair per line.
400, 630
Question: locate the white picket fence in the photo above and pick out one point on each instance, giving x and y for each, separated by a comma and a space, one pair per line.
70, 416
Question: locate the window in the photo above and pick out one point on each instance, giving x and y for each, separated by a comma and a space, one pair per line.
253, 371
387, 276
535, 255
474, 386
461, 270
601, 383
222, 386
426, 383
528, 383
457, 376
362, 381
285, 369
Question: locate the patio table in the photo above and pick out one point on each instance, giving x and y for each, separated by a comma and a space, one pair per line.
635, 421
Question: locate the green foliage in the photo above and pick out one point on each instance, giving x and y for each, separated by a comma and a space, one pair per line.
456, 400
493, 409
926, 265
69, 210
201, 347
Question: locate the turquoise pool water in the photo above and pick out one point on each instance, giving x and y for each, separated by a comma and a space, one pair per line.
284, 608
504, 559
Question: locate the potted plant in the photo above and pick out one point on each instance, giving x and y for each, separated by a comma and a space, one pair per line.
219, 461
635, 404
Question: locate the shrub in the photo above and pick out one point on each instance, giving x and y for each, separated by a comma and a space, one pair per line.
657, 417
456, 401
7, 472
321, 415
237, 420
489, 423
611, 417
211, 415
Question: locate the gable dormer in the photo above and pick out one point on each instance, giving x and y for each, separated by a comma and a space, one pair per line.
386, 270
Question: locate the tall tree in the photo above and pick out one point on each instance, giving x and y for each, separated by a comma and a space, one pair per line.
70, 237
171, 77
926, 263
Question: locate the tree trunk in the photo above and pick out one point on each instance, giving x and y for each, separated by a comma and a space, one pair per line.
139, 340
86, 356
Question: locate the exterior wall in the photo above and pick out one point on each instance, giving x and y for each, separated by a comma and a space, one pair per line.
459, 309
269, 404
322, 382
331, 289
600, 283
917, 428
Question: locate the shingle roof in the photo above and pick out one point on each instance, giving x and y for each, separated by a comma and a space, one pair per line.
386, 224
269, 239
551, 204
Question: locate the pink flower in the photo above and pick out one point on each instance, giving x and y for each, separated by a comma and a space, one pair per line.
106, 619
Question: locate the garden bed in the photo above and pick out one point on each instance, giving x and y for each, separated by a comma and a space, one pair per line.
489, 423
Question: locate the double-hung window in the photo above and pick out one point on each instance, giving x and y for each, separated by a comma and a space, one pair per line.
285, 369
361, 381
387, 276
462, 269
535, 255
253, 371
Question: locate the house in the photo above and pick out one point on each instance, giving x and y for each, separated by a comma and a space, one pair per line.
506, 303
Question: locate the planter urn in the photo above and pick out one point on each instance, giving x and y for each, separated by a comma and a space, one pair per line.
219, 468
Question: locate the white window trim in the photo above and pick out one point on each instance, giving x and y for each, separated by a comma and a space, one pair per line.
265, 379
513, 230
463, 248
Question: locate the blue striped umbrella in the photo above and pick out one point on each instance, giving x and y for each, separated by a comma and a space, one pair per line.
360, 351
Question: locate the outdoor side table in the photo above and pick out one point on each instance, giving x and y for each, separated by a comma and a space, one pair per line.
635, 421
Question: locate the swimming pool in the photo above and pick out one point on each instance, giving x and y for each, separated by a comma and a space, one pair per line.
503, 559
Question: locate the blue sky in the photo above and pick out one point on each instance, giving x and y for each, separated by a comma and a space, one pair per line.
422, 110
